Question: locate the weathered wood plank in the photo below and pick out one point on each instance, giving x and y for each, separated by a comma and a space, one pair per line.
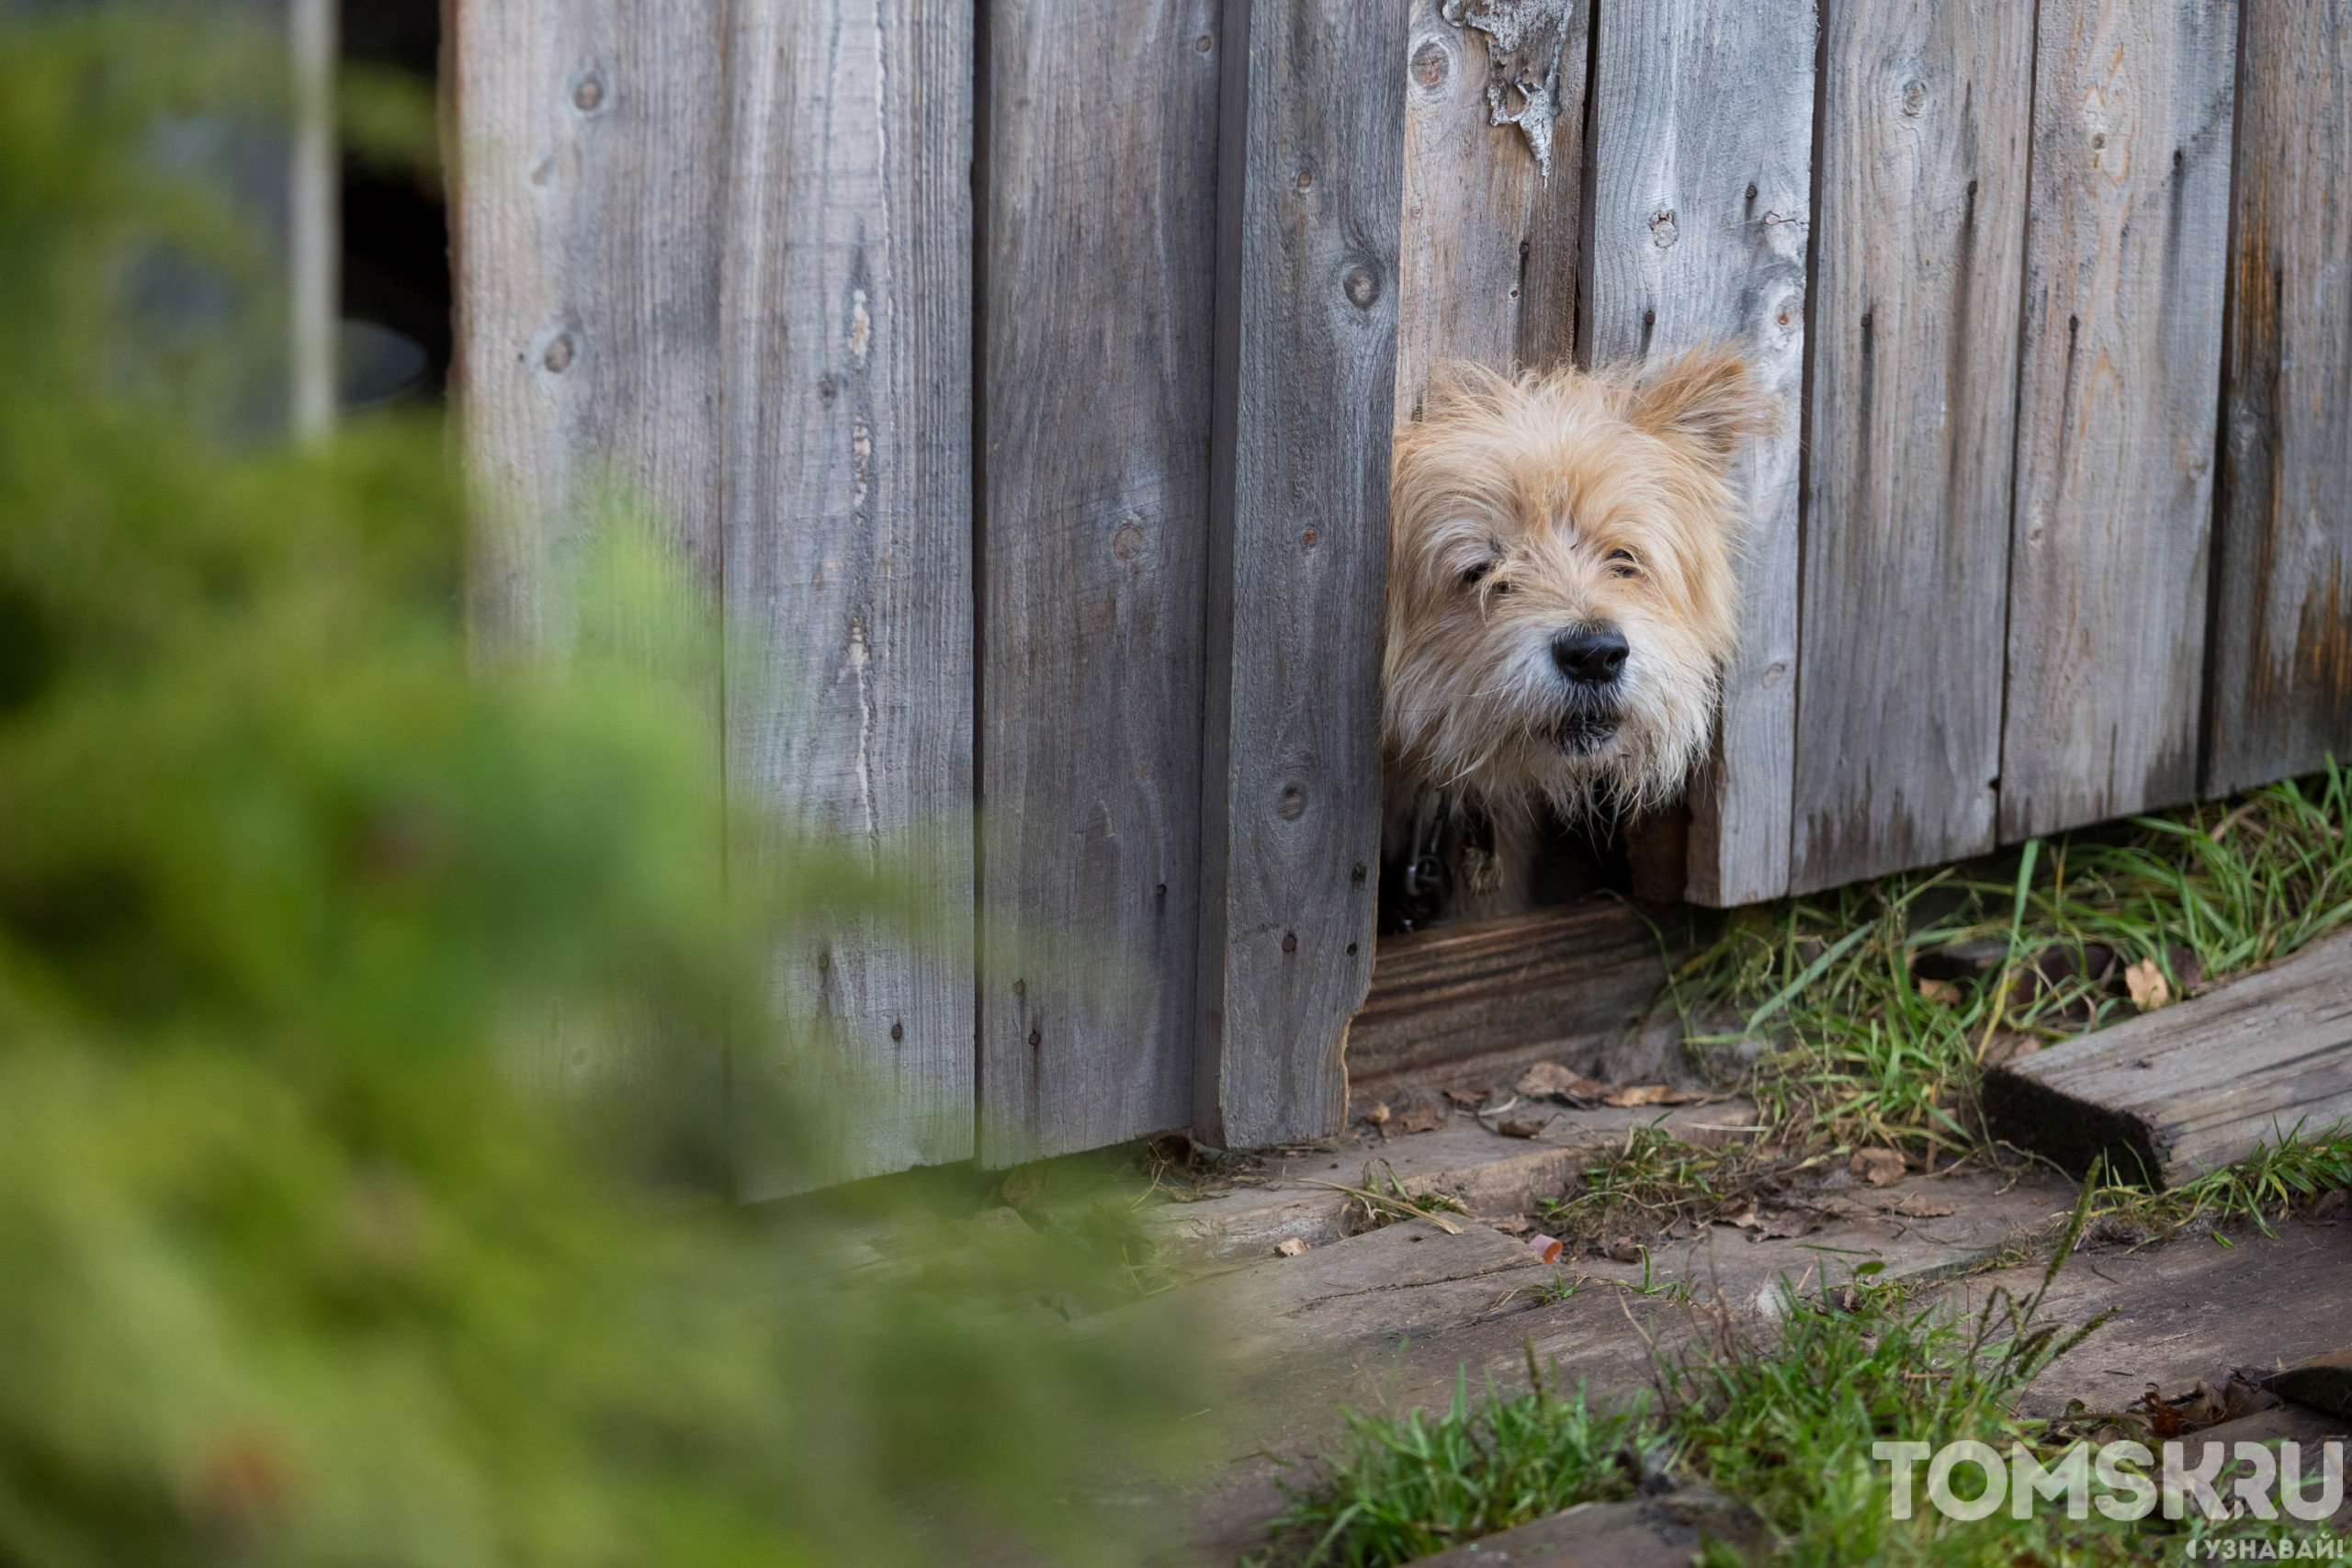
1552, 271
585, 257
1099, 322
1310, 162
586, 245
1489, 1173
1702, 150
2324, 1381
847, 320
2126, 253
2170, 1095
1918, 256
1440, 997
2281, 699
1488, 254
1666, 1531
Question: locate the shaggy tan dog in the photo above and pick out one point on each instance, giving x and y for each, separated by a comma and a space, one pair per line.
1562, 598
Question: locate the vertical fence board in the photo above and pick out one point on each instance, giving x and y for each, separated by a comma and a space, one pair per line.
1551, 274
2125, 257
1099, 324
585, 233
2282, 636
1309, 195
1487, 255
1702, 156
1919, 253
847, 320
587, 262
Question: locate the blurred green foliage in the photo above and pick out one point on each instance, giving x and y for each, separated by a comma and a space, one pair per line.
367, 1009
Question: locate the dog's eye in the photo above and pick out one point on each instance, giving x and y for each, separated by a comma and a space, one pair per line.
1477, 574
1623, 564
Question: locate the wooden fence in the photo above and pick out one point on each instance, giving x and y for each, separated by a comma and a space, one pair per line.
1022, 372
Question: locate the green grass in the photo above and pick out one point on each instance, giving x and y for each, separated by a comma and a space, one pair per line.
1866, 1057
2267, 1185
1785, 1424
1654, 1179
1418, 1482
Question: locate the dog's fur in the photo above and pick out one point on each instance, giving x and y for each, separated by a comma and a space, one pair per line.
1527, 507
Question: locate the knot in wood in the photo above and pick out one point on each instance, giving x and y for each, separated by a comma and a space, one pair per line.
1291, 804
587, 95
558, 357
1363, 285
1431, 63
1914, 97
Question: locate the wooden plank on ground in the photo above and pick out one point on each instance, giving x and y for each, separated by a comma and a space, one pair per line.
2170, 1095
1099, 315
2182, 1310
1917, 253
2126, 255
2325, 1382
1310, 193
2281, 700
848, 532
1487, 260
1703, 147
1664, 1531
587, 234
1444, 997
1465, 1159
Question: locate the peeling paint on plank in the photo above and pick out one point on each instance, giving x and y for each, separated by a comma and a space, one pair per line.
1525, 41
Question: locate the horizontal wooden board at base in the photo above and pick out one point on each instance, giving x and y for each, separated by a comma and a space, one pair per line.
2171, 1095
1443, 996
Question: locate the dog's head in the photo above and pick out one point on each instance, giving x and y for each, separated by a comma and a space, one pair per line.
1561, 596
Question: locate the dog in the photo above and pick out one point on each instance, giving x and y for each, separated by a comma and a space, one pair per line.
1562, 604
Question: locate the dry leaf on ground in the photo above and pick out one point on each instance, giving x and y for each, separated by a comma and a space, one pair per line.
2008, 1044
1942, 991
2229, 1394
2329, 1204
1743, 1213
1513, 1224
1376, 1114
1622, 1249
1291, 1246
1420, 1112
1023, 1185
1787, 1226
1652, 1094
2147, 982
1551, 1079
1919, 1206
1877, 1166
1518, 1129
995, 1222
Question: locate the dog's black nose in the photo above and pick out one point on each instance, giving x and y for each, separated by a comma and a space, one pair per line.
1591, 654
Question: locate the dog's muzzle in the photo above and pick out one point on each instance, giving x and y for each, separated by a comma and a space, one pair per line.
1585, 726
1590, 657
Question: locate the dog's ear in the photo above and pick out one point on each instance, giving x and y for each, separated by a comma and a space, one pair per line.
1707, 400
